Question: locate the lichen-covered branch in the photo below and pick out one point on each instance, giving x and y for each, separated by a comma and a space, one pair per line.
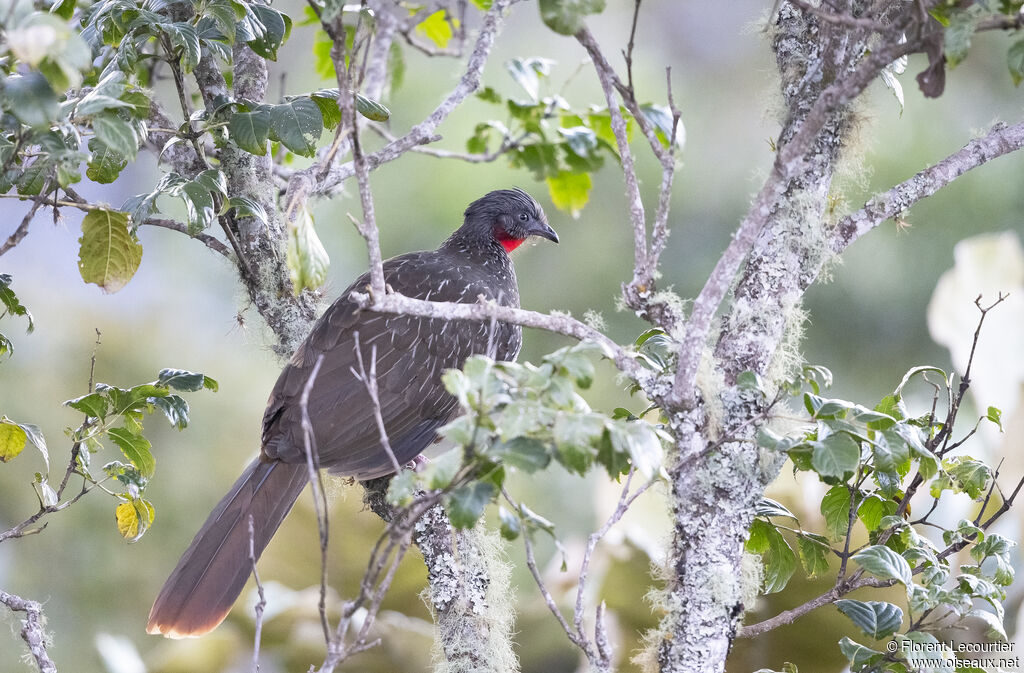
31, 629
1000, 140
639, 292
815, 108
560, 323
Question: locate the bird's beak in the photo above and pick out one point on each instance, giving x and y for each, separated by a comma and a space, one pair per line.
544, 230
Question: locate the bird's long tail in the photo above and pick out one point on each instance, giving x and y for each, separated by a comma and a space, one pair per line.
212, 571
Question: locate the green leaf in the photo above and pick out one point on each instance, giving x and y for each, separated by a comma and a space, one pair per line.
133, 518
109, 253
639, 440
298, 125
837, 456
31, 99
958, 36
250, 130
569, 191
441, 471
996, 416
94, 405
198, 205
835, 507
567, 17
438, 28
1015, 62
776, 555
11, 302
185, 39
402, 488
12, 439
33, 180
175, 408
860, 657
660, 117
524, 453
969, 475
814, 553
246, 207
104, 163
922, 370
993, 623
527, 73
136, 449
306, 257
872, 509
329, 109
884, 563
877, 619
116, 133
264, 29
186, 381
466, 503
510, 525
65, 9
767, 507
371, 109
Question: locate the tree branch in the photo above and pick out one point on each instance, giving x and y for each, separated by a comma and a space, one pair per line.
558, 323
1000, 140
31, 629
304, 184
827, 598
790, 160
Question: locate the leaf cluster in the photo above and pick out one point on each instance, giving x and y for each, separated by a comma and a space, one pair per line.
875, 460
524, 418
546, 136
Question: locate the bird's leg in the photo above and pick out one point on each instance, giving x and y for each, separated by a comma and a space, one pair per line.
417, 463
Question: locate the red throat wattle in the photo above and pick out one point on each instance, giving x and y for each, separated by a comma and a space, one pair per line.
507, 241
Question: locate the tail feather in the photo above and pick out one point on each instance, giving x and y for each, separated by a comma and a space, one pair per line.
211, 573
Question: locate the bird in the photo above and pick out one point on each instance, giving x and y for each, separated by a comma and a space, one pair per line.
411, 355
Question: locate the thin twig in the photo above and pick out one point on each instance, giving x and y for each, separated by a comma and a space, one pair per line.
319, 496
369, 380
261, 603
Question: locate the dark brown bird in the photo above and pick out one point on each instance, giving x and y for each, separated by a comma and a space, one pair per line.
411, 355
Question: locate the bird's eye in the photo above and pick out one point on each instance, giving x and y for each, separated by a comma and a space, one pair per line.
523, 217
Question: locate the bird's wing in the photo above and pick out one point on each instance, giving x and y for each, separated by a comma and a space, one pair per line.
411, 354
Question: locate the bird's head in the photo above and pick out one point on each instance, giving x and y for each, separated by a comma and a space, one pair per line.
508, 216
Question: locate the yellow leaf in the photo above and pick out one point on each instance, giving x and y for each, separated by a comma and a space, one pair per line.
127, 520
12, 440
134, 518
438, 28
110, 252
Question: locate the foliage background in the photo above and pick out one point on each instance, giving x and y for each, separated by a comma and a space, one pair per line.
182, 310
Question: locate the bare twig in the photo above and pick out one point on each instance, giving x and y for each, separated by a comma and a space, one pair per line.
304, 184
369, 379
22, 230
827, 598
558, 323
207, 240
261, 603
319, 496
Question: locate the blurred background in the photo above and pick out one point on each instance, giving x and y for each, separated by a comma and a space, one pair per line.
184, 309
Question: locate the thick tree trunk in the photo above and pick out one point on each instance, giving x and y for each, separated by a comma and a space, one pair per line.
717, 486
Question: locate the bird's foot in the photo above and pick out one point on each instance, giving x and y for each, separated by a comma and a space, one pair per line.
417, 463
